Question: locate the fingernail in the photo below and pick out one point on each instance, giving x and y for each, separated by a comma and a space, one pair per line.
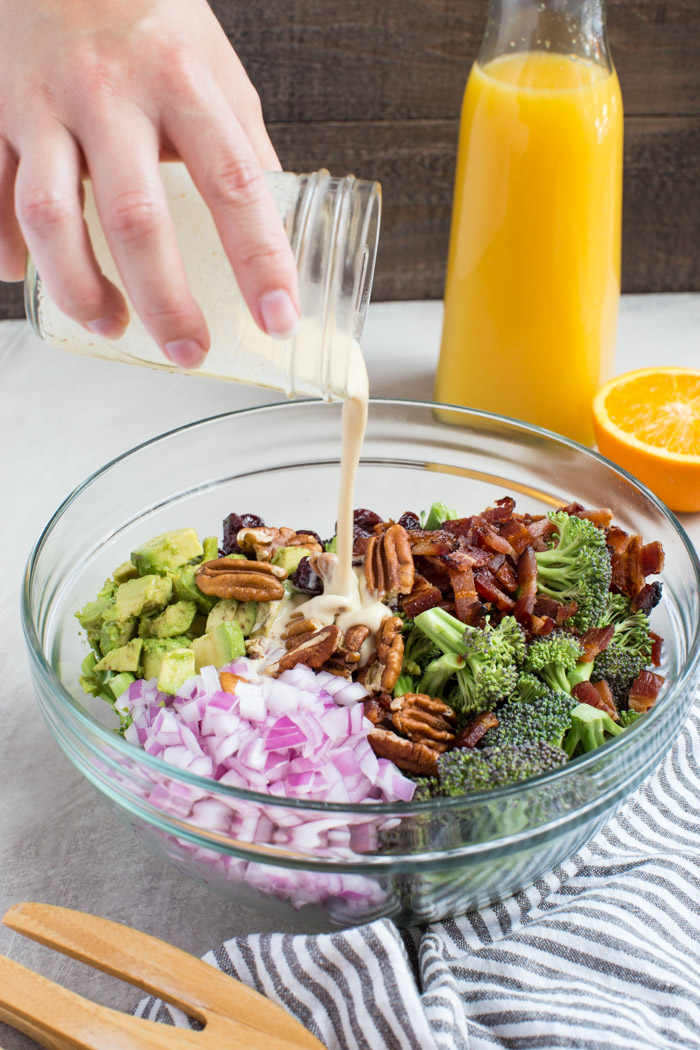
108, 327
279, 315
185, 353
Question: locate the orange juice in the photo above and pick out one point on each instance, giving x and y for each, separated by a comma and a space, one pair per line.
533, 274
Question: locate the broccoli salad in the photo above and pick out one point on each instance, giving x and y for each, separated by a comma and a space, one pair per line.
473, 651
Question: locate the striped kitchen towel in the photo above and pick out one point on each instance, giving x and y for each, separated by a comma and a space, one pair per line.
602, 953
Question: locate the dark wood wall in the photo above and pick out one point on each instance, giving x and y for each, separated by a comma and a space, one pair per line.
374, 87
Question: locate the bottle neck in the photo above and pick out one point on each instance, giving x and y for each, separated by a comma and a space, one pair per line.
575, 28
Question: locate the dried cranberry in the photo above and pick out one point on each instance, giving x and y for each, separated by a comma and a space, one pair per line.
305, 579
232, 525
409, 520
366, 520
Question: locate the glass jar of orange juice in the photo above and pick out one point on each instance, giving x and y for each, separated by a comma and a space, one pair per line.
533, 275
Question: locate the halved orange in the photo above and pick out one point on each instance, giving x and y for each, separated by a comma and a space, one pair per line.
648, 422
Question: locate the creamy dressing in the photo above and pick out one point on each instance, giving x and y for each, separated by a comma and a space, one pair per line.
345, 600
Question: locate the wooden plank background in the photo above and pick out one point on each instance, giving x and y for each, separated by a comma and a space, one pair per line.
375, 86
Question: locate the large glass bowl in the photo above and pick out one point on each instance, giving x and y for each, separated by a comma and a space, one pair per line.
345, 864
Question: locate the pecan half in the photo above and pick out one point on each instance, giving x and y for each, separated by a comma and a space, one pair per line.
347, 656
424, 719
248, 581
388, 564
313, 651
228, 681
298, 630
264, 541
406, 754
382, 672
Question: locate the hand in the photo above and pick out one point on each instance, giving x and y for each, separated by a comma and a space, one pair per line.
108, 89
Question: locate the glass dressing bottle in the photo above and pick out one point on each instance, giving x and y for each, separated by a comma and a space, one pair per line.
333, 227
533, 275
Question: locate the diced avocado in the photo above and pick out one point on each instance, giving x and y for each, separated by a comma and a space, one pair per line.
126, 571
176, 668
187, 590
229, 609
126, 658
154, 649
247, 616
174, 619
219, 646
90, 679
119, 683
289, 557
242, 556
108, 589
90, 616
166, 552
210, 546
225, 609
146, 594
115, 634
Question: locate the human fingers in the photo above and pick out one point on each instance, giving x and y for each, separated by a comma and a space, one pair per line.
49, 212
12, 248
228, 174
134, 213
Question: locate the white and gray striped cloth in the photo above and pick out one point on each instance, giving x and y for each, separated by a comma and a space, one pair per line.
602, 953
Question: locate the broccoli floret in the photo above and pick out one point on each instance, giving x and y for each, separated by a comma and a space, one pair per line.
590, 727
629, 651
418, 652
553, 658
490, 657
479, 769
628, 718
438, 673
576, 568
437, 514
534, 712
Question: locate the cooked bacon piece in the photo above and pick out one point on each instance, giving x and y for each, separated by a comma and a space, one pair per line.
586, 693
424, 596
506, 575
541, 625
433, 543
523, 609
601, 516
474, 557
517, 534
653, 558
594, 641
527, 572
488, 537
464, 588
648, 598
657, 644
540, 526
471, 733
488, 588
557, 611
644, 690
435, 571
501, 511
634, 580
618, 541
607, 702
462, 528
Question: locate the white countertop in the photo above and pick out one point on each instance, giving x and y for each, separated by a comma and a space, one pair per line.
61, 418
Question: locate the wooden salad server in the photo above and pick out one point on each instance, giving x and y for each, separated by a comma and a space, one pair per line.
232, 1014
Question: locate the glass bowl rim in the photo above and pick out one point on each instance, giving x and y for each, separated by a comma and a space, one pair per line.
112, 739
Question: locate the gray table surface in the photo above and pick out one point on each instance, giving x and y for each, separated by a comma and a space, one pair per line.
61, 417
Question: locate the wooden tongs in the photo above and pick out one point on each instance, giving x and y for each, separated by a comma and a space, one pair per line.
233, 1015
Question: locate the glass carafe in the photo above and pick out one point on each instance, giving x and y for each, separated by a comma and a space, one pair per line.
333, 227
533, 274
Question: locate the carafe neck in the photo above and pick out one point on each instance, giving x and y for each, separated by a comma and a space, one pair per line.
575, 28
